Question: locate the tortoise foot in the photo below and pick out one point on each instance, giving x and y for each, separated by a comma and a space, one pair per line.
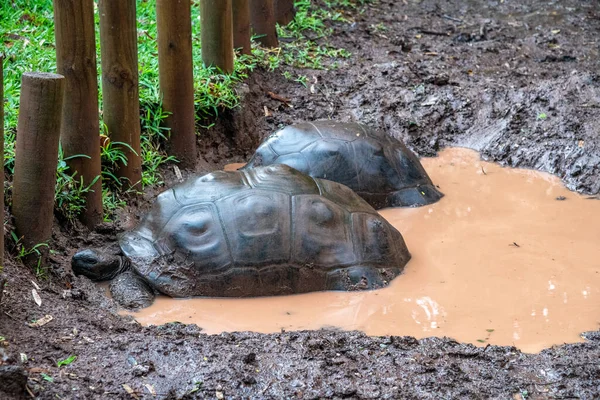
131, 291
361, 278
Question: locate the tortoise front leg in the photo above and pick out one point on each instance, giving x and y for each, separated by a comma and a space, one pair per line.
131, 291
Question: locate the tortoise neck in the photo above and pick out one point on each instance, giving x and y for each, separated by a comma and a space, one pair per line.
124, 265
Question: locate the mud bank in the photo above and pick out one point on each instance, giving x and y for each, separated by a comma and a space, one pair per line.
515, 80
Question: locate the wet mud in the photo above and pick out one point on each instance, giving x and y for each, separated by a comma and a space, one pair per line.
517, 81
507, 257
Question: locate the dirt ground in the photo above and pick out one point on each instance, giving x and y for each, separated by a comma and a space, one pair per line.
516, 80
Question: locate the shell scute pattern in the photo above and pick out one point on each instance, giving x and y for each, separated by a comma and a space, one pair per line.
377, 166
270, 230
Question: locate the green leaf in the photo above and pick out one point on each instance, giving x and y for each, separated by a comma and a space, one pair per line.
66, 361
77, 156
542, 116
47, 377
490, 330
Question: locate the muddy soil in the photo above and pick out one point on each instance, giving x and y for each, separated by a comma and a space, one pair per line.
515, 80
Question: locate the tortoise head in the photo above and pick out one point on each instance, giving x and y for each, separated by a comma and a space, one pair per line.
98, 264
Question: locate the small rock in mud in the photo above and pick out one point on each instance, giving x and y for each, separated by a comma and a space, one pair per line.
403, 42
13, 379
439, 80
75, 294
141, 370
248, 380
250, 358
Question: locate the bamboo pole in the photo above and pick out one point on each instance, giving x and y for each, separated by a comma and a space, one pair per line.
241, 26
36, 154
262, 19
284, 11
174, 24
120, 91
76, 61
217, 34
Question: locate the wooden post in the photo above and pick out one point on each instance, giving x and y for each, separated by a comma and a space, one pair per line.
2, 284
36, 155
76, 61
241, 26
217, 34
284, 11
174, 24
2, 169
262, 19
120, 91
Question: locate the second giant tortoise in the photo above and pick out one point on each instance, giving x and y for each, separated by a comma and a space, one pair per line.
378, 167
265, 231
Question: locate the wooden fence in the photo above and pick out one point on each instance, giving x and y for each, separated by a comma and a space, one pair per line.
64, 106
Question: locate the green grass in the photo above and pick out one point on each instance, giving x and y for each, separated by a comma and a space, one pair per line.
27, 31
34, 254
66, 361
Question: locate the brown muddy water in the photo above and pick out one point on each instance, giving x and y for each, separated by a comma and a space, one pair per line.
507, 257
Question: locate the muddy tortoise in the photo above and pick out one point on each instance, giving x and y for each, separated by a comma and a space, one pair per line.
266, 231
378, 167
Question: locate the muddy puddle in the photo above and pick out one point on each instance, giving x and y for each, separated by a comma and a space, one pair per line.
507, 257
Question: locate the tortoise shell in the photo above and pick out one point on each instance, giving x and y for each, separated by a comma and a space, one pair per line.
266, 231
378, 167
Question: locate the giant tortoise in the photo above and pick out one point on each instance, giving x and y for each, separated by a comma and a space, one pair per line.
265, 231
378, 167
